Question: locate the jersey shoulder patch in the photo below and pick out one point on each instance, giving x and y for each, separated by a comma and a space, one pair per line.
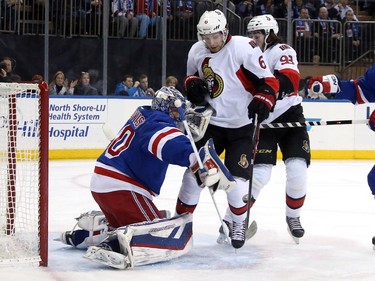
284, 47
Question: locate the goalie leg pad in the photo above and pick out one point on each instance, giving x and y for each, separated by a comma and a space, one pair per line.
157, 241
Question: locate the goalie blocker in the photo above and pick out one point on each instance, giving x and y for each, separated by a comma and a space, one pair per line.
215, 175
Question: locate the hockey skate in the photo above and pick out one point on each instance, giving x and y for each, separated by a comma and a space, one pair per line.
249, 233
238, 234
107, 257
295, 228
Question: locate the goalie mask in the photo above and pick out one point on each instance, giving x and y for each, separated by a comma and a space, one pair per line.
165, 101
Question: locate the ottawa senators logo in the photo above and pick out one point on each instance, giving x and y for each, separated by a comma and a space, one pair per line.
306, 146
243, 161
214, 81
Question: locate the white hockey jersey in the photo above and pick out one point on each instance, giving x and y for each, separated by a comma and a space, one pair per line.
283, 59
234, 75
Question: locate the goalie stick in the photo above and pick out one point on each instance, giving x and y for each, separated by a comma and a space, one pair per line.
178, 105
108, 132
311, 123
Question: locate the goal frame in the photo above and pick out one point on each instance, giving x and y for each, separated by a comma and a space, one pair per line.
42, 166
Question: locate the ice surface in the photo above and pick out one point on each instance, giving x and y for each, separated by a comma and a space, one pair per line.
338, 218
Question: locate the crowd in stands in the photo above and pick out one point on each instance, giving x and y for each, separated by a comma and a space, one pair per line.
319, 25
325, 31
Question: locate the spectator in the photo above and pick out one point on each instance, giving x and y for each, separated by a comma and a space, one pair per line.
351, 36
59, 85
326, 42
297, 6
171, 81
8, 65
126, 87
95, 81
245, 8
143, 90
303, 36
342, 7
313, 7
147, 13
37, 78
263, 7
83, 87
184, 24
333, 14
123, 15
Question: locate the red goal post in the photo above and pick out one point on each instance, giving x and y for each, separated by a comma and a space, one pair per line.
24, 125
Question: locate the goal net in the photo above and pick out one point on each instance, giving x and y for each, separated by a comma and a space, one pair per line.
23, 173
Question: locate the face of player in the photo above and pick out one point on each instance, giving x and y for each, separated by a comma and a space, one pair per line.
259, 37
214, 42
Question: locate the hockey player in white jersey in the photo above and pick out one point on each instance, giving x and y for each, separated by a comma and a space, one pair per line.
128, 174
229, 74
293, 142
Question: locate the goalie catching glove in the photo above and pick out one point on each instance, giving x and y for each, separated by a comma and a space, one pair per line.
215, 175
198, 119
196, 89
327, 84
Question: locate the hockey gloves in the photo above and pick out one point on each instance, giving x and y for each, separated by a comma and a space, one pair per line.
327, 84
198, 118
214, 175
196, 89
261, 104
371, 121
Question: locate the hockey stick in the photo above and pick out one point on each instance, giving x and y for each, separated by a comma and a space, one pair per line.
311, 123
254, 142
178, 105
108, 132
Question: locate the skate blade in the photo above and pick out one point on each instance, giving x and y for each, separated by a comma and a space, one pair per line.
295, 239
109, 258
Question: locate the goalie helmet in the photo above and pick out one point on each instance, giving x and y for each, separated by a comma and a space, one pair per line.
166, 99
212, 22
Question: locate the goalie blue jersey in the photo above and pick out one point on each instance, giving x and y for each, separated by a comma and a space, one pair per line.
359, 91
138, 158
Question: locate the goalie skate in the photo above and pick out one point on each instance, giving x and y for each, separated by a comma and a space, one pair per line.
108, 257
249, 233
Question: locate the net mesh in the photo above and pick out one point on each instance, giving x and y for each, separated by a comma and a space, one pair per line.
19, 173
